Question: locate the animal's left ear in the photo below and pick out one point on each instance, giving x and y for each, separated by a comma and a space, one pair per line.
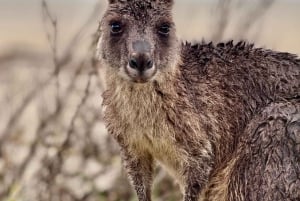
168, 2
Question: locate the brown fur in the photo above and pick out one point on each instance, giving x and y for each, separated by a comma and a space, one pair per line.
199, 115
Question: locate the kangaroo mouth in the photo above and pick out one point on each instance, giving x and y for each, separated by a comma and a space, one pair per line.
140, 80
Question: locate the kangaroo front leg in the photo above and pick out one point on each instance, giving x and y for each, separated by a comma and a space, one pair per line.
196, 176
139, 167
194, 185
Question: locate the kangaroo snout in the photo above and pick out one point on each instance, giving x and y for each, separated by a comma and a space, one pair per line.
140, 66
140, 62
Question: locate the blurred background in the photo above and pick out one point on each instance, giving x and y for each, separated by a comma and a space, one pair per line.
53, 143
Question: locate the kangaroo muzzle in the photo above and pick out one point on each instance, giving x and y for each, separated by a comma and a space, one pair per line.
141, 66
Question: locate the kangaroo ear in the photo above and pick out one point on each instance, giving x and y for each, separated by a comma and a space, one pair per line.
112, 1
168, 2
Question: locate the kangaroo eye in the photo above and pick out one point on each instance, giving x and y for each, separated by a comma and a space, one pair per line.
164, 30
116, 28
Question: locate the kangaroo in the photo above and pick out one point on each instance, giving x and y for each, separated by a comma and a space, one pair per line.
223, 119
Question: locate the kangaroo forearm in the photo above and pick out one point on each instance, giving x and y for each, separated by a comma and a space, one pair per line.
140, 170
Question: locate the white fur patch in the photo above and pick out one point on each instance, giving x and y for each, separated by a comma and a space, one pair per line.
98, 48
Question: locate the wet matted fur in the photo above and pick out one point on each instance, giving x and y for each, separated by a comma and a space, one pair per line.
223, 119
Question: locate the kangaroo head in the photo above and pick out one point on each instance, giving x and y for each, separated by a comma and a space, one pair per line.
138, 39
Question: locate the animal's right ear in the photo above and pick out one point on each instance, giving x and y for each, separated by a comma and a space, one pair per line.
112, 1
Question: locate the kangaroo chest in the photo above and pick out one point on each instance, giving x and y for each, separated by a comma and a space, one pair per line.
140, 118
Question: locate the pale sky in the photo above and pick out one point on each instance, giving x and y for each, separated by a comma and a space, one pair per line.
20, 21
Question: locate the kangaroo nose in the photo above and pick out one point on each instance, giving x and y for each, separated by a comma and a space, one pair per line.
140, 62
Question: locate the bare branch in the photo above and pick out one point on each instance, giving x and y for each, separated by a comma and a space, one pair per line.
223, 12
252, 17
